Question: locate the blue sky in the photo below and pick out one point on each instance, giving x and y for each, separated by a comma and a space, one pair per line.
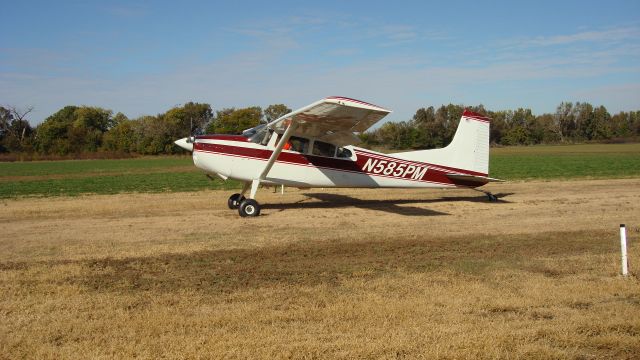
144, 57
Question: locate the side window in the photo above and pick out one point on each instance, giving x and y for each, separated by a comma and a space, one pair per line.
299, 144
323, 149
344, 153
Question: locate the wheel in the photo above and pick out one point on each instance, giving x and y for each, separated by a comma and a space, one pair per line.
249, 207
234, 201
492, 198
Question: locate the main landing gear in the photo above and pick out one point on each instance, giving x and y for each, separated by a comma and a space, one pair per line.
249, 207
246, 207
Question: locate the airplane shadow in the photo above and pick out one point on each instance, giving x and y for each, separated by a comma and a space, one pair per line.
480, 198
333, 201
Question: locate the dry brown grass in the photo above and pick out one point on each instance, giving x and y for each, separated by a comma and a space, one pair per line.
323, 274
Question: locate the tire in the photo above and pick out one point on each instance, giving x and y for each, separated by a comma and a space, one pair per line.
249, 208
234, 201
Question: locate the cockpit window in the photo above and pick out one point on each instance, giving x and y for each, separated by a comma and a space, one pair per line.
299, 144
323, 149
250, 132
259, 134
344, 153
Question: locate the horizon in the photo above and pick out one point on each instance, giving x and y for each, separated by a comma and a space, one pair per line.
143, 58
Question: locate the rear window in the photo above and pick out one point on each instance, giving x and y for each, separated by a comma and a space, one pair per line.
344, 153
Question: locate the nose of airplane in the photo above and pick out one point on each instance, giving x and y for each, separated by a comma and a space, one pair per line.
185, 144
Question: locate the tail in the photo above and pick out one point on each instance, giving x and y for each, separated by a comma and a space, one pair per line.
468, 152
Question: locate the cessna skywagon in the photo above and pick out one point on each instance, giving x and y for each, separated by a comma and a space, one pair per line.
313, 147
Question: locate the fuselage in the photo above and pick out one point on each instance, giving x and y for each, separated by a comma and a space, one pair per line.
318, 164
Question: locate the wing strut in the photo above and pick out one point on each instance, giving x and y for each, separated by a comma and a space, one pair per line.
276, 152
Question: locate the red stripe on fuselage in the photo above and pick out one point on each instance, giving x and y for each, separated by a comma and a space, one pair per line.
290, 157
434, 173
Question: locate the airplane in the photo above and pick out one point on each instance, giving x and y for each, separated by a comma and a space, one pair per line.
313, 147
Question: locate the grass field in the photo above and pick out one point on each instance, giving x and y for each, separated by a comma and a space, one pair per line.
75, 177
170, 174
594, 161
347, 274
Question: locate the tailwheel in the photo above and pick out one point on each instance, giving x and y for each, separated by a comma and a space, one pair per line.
249, 207
234, 201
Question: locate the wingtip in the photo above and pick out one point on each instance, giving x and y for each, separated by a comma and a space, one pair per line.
356, 101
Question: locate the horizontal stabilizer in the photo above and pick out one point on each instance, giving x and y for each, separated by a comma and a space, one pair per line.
471, 180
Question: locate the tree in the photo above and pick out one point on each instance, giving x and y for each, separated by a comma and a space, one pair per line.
516, 135
542, 130
118, 118
16, 133
583, 118
600, 127
273, 112
625, 124
123, 137
564, 121
429, 131
519, 125
498, 127
234, 121
87, 128
73, 130
397, 135
191, 118
19, 136
154, 136
5, 122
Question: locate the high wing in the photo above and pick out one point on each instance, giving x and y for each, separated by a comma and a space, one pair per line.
334, 119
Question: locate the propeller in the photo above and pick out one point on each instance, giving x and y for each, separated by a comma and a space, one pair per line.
191, 139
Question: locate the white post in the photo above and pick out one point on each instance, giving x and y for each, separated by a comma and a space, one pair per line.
623, 249
282, 189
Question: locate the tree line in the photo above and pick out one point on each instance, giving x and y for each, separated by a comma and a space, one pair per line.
77, 130
571, 123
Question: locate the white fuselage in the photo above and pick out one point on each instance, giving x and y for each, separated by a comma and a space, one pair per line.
241, 160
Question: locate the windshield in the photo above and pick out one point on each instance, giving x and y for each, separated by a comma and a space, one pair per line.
259, 134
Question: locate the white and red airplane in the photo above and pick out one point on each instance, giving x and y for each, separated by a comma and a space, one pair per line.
312, 147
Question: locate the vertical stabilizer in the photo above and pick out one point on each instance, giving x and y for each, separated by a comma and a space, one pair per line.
469, 149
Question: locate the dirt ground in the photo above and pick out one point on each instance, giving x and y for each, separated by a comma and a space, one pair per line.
324, 273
